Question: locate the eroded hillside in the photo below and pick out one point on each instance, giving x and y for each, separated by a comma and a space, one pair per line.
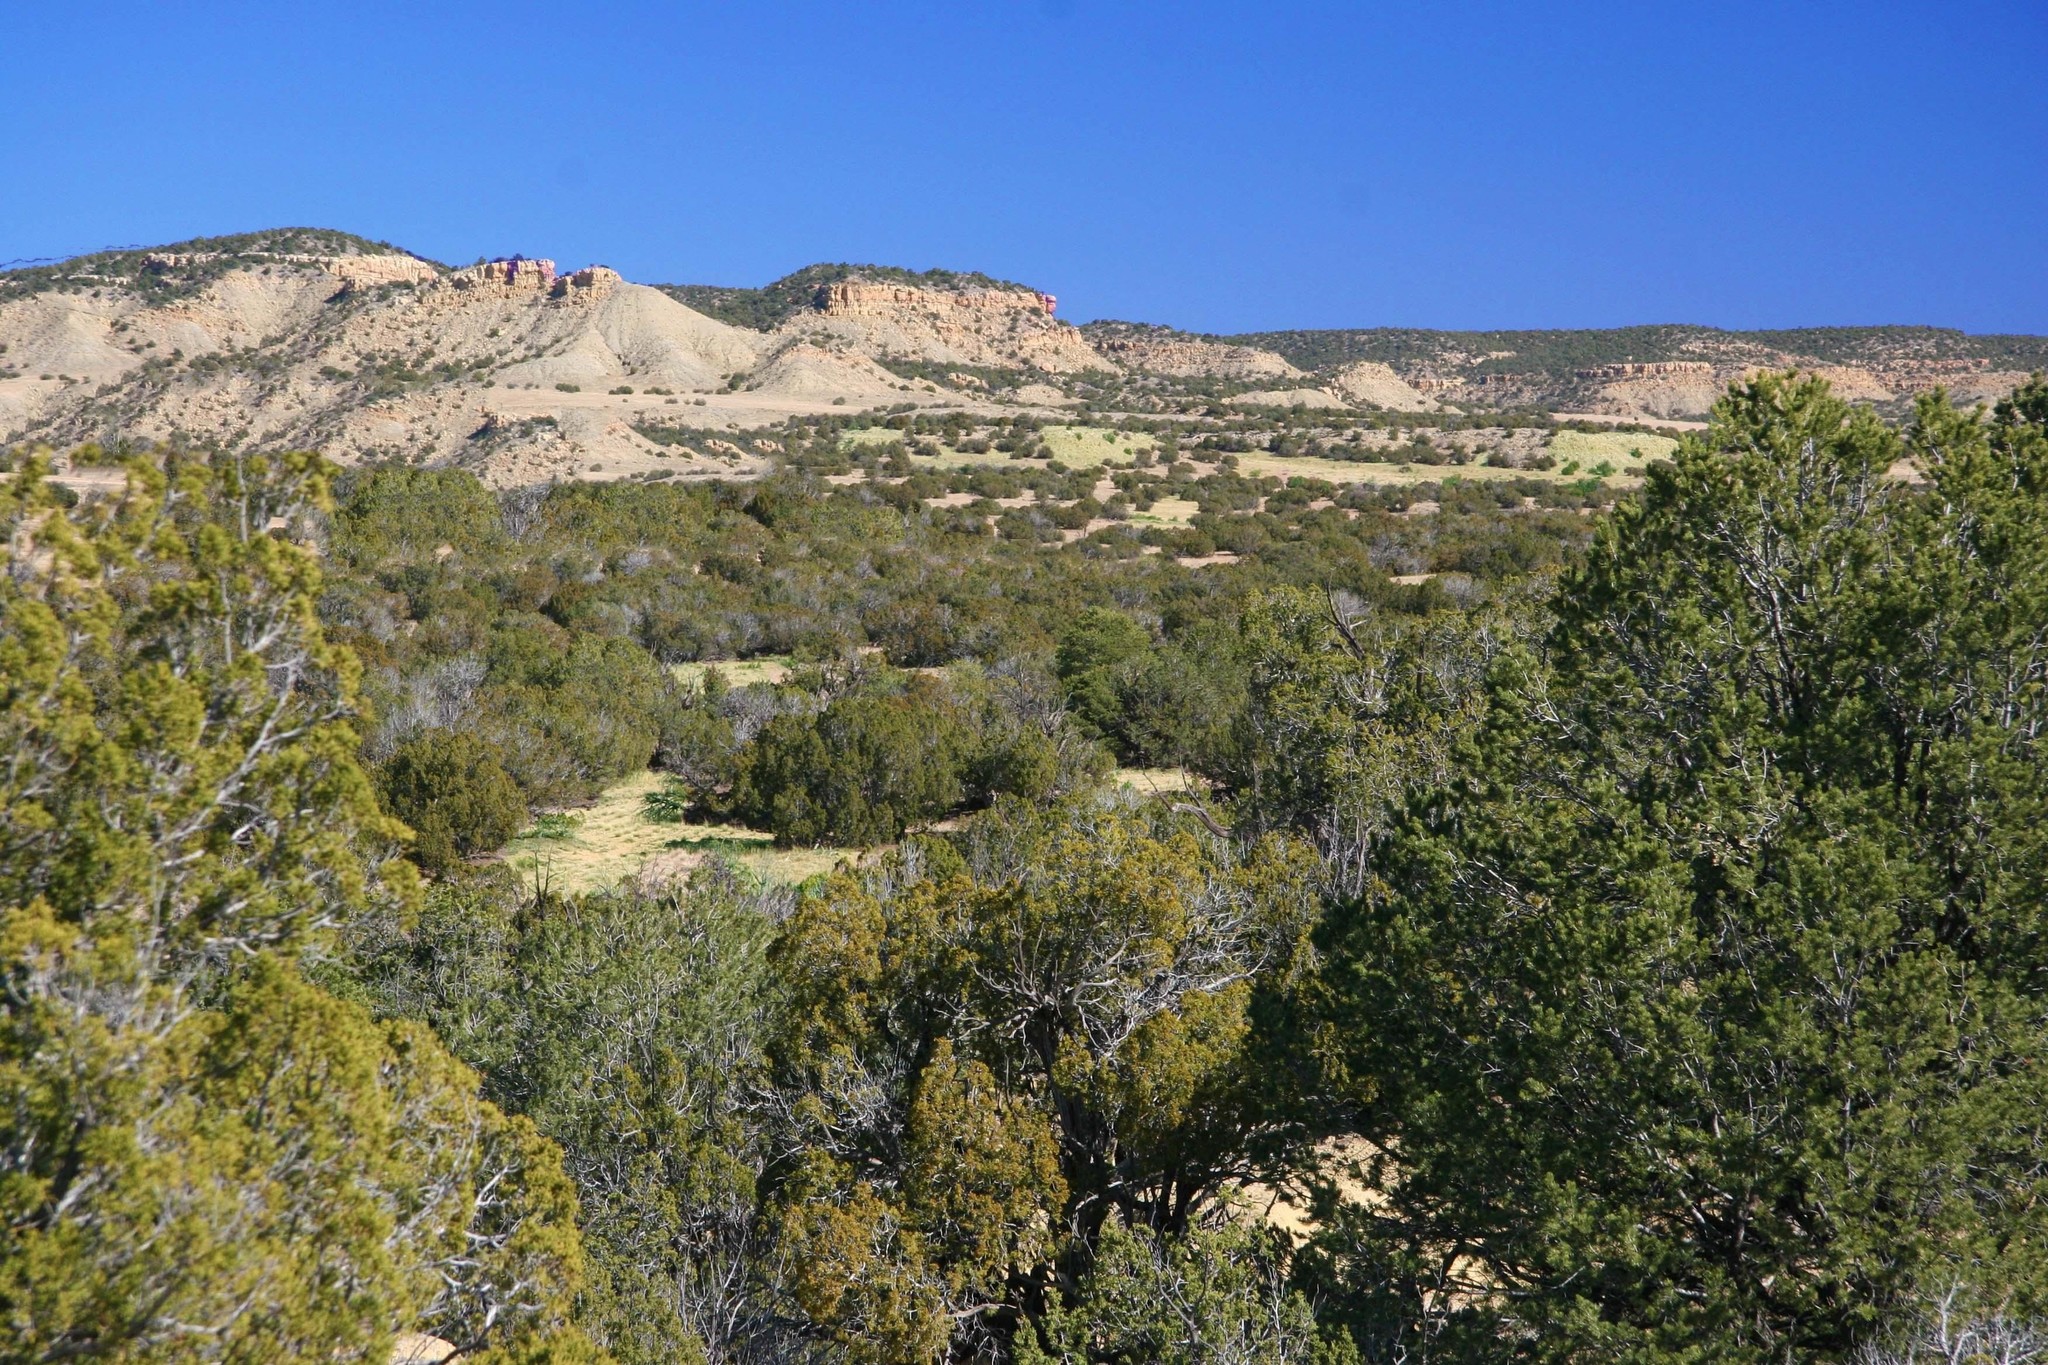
527, 372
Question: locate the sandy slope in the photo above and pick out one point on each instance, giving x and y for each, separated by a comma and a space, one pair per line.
1374, 384
508, 369
804, 370
1287, 398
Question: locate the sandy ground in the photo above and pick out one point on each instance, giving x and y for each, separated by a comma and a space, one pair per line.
1159, 781
612, 840
1339, 1160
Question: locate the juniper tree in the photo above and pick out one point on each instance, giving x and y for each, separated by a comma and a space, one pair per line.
1699, 1015
203, 1156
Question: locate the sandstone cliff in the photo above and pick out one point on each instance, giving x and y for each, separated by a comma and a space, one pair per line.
1376, 385
1189, 358
999, 328
524, 371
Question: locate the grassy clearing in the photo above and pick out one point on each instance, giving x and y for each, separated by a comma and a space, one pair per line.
1616, 447
1075, 446
1079, 446
613, 839
1348, 471
1158, 781
765, 668
1167, 512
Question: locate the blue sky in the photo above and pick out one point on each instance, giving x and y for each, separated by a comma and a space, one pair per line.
1224, 167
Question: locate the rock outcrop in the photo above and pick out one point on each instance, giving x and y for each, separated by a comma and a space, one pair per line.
521, 277
998, 328
357, 272
1649, 369
856, 298
1190, 358
1685, 394
1372, 384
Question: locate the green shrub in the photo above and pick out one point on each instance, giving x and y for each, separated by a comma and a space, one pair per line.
859, 773
449, 786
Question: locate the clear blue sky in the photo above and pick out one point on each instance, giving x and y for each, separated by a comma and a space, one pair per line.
1225, 167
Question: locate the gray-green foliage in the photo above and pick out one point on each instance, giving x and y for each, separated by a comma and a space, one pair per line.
450, 789
639, 1027
203, 1155
1698, 1013
858, 759
626, 1027
1217, 1297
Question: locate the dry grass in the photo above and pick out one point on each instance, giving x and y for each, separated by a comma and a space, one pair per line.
613, 840
1401, 475
1158, 781
765, 668
1617, 447
1167, 512
1080, 446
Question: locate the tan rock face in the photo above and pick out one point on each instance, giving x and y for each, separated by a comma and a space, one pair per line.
1654, 369
999, 328
877, 298
1855, 383
531, 278
1188, 359
1686, 394
355, 271
1370, 382
363, 272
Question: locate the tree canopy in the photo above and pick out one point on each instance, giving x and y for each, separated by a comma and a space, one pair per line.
207, 1156
1696, 1014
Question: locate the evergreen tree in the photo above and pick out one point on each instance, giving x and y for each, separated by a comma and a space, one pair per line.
203, 1156
1699, 1016
450, 789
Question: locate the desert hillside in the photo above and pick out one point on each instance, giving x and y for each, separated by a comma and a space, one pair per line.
520, 369
1661, 371
525, 370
